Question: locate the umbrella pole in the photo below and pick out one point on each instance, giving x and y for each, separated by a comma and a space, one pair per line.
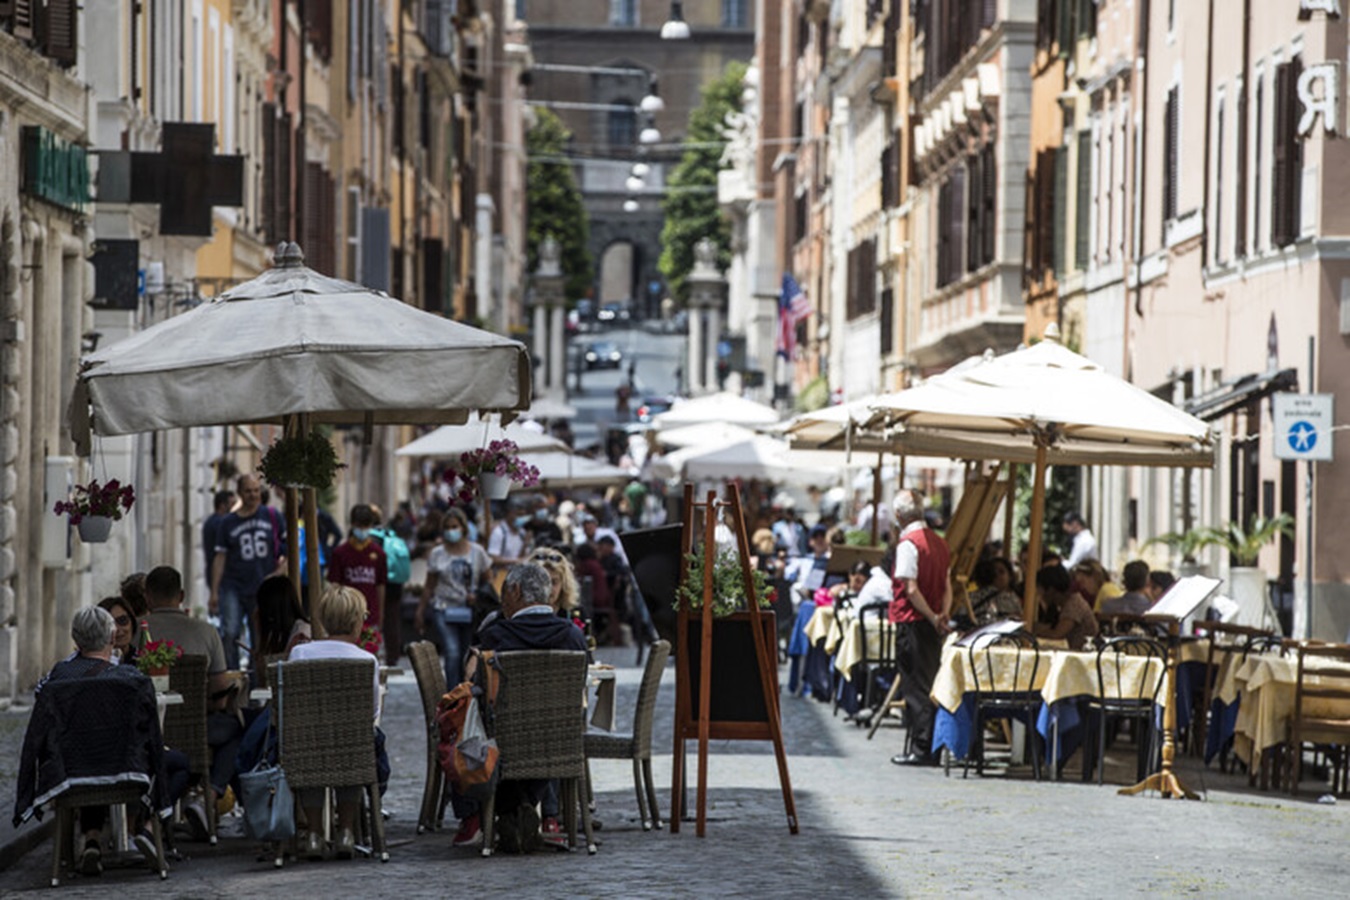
876, 502
1034, 539
311, 508
293, 536
1009, 508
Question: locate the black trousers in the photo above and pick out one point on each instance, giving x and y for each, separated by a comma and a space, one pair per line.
919, 655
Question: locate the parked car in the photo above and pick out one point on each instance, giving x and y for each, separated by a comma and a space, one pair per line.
615, 312
603, 355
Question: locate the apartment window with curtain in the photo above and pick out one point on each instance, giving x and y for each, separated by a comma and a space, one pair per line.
623, 13
734, 13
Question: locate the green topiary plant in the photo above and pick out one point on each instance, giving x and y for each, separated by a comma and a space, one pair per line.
728, 585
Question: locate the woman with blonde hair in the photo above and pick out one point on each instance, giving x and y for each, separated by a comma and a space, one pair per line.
565, 593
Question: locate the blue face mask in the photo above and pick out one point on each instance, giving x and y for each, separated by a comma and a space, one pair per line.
360, 533
541, 515
522, 521
453, 535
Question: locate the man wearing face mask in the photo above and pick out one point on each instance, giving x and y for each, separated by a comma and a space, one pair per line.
506, 544
456, 568
544, 531
359, 562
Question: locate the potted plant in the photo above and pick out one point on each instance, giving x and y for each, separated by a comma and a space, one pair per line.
95, 507
295, 461
736, 694
1188, 545
1246, 582
495, 468
370, 640
155, 659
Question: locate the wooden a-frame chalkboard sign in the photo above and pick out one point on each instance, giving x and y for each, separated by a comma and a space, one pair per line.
726, 669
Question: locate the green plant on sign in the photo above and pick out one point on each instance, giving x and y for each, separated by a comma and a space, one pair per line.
728, 587
309, 461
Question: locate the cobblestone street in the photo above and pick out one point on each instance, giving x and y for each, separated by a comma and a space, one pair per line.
868, 829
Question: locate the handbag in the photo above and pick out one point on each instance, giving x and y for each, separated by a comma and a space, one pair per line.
269, 804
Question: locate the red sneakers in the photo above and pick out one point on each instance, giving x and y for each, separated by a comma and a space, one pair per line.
469, 832
552, 834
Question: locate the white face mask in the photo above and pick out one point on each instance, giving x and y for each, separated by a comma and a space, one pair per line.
453, 535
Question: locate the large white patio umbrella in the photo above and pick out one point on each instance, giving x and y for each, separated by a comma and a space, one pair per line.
296, 347
449, 441
759, 457
561, 471
1044, 404
705, 434
721, 407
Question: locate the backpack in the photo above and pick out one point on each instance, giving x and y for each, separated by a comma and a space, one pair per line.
466, 754
397, 559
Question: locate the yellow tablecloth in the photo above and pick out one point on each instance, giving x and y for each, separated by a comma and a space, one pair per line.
842, 634
1266, 684
1061, 674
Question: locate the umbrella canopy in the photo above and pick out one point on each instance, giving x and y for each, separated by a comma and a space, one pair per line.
705, 434
549, 408
759, 457
294, 341
560, 471
721, 407
1004, 407
449, 441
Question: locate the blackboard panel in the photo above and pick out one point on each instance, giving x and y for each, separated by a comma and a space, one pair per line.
737, 694
654, 556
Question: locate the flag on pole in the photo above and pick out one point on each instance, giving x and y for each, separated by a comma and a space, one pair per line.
793, 307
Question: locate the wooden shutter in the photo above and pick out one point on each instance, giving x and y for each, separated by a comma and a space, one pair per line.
988, 15
1060, 200
887, 319
1279, 195
1240, 225
1083, 205
989, 201
21, 15
282, 179
59, 31
974, 205
958, 242
1171, 151
267, 204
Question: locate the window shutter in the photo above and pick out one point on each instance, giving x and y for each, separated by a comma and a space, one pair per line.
1064, 34
1294, 185
1240, 224
1279, 195
988, 15
1082, 211
21, 12
958, 243
887, 321
989, 192
974, 205
1171, 140
268, 213
1060, 201
59, 31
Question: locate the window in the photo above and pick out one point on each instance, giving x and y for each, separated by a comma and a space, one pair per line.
887, 322
980, 209
1171, 155
948, 29
733, 13
623, 13
890, 177
800, 209
1041, 215
1286, 175
951, 227
622, 126
1083, 202
1240, 216
1060, 195
862, 279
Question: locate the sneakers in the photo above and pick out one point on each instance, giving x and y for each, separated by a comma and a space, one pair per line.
470, 832
552, 834
314, 845
194, 814
144, 842
346, 844
91, 860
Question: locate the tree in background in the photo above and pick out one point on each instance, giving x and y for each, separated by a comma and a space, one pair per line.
553, 202
691, 199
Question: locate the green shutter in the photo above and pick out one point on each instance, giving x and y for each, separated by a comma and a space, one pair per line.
1061, 207
1083, 208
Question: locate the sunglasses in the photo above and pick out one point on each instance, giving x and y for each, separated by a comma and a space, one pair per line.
122, 621
550, 557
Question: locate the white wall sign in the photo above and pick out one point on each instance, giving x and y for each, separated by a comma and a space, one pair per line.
1303, 426
1331, 7
1318, 91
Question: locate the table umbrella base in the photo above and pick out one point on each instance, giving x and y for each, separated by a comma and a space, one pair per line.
1165, 783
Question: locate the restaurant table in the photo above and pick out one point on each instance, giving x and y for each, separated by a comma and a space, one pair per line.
1062, 678
1261, 688
602, 678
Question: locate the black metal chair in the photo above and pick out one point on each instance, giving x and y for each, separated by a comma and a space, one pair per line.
1000, 695
1116, 700
877, 666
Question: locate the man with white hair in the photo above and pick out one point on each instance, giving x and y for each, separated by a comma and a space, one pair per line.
921, 596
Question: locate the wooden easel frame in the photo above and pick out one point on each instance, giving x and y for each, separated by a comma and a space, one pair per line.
703, 728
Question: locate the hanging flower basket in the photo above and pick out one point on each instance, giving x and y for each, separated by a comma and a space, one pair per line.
494, 468
93, 508
301, 462
95, 529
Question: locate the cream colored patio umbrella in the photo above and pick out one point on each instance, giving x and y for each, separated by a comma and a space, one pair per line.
721, 407
1044, 404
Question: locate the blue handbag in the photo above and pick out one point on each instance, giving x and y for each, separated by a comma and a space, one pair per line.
269, 804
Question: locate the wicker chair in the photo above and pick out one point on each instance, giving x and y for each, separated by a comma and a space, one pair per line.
326, 717
185, 728
637, 746
114, 694
539, 727
426, 665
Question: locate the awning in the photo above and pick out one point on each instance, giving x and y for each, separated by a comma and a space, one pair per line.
1230, 396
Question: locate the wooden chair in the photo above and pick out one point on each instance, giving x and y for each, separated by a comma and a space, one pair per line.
1114, 702
1323, 679
326, 715
539, 727
430, 673
185, 729
637, 746
1020, 698
103, 711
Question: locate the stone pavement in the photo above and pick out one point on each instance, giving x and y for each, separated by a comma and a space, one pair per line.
868, 829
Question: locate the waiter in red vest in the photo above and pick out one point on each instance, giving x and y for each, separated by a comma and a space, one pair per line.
921, 595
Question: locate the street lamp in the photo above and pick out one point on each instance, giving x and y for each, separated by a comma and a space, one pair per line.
634, 184
649, 134
652, 103
675, 28
630, 205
